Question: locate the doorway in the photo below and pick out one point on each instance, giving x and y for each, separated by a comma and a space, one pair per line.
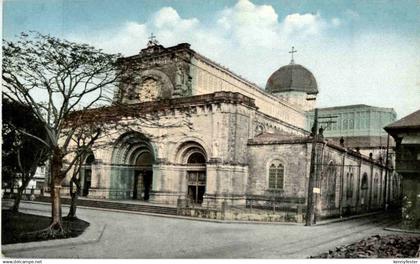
196, 177
143, 176
142, 184
87, 170
196, 186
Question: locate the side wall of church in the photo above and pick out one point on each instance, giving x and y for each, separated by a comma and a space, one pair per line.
355, 186
348, 184
209, 78
294, 158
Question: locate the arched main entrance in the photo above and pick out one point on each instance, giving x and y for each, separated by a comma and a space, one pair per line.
143, 176
133, 158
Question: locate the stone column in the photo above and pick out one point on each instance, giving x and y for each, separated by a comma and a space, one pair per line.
167, 183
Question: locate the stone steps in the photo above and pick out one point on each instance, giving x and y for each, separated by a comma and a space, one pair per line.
116, 205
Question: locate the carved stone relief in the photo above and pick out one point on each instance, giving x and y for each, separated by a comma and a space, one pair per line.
148, 86
183, 82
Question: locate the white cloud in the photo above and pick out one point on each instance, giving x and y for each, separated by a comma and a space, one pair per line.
305, 24
253, 41
168, 18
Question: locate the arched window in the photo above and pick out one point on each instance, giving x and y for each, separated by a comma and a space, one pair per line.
276, 175
376, 187
345, 124
349, 185
328, 186
364, 191
196, 158
364, 181
351, 123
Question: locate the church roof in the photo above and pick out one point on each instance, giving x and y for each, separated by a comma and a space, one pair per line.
278, 137
292, 77
363, 141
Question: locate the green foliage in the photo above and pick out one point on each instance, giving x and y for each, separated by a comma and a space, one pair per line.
21, 154
55, 77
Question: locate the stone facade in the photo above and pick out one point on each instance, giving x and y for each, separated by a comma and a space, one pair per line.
209, 138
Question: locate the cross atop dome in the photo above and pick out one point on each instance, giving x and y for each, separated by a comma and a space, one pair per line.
291, 52
152, 41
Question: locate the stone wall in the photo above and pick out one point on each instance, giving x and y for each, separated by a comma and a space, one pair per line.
219, 128
348, 182
295, 159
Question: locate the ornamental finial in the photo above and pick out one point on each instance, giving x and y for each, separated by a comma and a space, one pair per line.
152, 41
291, 52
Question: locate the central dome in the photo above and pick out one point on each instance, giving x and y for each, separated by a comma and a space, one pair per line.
292, 77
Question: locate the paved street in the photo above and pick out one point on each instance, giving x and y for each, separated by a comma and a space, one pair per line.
141, 236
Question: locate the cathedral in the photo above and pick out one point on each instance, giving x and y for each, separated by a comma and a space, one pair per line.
219, 140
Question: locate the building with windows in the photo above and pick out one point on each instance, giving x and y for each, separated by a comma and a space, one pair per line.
210, 139
361, 127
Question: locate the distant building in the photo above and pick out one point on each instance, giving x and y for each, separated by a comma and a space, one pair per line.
406, 133
361, 127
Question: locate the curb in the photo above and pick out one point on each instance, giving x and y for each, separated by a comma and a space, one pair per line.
401, 230
332, 221
326, 222
177, 216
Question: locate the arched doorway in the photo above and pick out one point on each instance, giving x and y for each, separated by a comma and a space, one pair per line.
143, 176
87, 174
133, 158
196, 177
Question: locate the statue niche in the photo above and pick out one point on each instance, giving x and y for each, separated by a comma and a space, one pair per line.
183, 81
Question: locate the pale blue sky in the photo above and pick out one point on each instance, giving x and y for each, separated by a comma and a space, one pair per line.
59, 16
359, 51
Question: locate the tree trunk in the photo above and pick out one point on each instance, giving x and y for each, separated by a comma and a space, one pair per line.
20, 190
55, 205
73, 205
56, 179
18, 198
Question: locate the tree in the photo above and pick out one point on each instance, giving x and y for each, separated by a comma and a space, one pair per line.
84, 137
21, 154
69, 87
55, 78
96, 124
